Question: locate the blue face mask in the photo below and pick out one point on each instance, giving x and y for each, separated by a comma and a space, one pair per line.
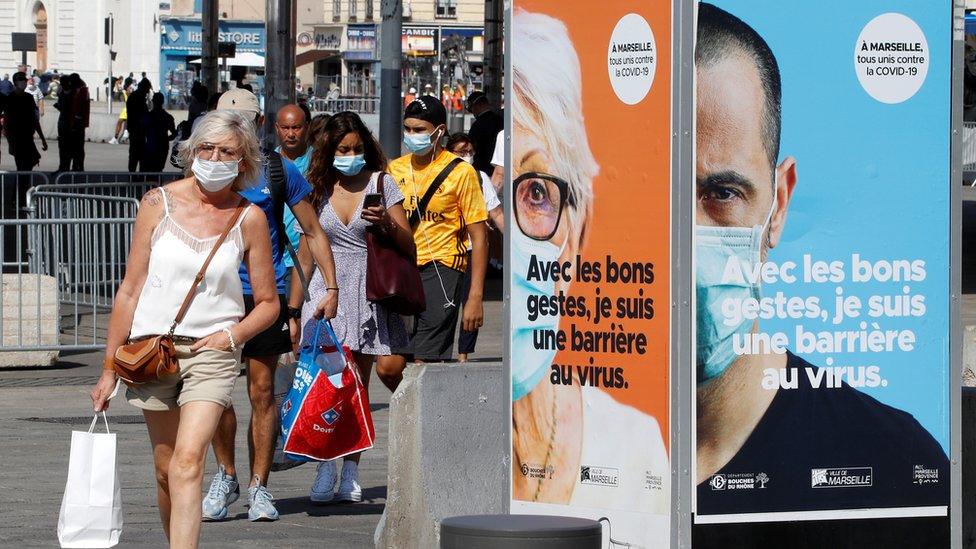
349, 165
530, 365
418, 143
716, 250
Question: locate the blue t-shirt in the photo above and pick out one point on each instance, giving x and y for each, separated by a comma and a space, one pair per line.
302, 163
296, 188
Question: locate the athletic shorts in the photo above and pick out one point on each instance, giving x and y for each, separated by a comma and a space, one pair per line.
274, 341
207, 375
434, 329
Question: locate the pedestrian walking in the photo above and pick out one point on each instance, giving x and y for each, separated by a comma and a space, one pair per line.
346, 192
291, 126
20, 123
279, 184
34, 89
137, 111
122, 122
445, 206
79, 111
460, 144
160, 130
174, 233
64, 105
487, 123
6, 86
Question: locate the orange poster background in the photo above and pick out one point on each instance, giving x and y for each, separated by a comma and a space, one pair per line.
632, 192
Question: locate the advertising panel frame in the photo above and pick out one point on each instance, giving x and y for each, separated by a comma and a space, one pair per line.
677, 289
954, 336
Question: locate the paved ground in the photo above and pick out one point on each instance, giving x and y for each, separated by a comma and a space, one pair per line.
98, 157
40, 408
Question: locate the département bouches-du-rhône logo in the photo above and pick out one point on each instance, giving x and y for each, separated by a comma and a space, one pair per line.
841, 477
717, 482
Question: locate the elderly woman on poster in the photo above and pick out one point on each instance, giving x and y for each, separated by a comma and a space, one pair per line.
559, 431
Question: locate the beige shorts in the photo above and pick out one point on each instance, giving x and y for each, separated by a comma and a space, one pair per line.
207, 375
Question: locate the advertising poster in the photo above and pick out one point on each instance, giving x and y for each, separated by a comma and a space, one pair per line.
589, 263
822, 224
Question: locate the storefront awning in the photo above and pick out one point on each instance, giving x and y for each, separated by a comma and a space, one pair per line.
242, 59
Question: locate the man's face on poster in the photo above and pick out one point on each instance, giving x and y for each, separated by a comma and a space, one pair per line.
733, 172
737, 182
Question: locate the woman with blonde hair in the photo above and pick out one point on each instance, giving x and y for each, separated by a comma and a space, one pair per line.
175, 230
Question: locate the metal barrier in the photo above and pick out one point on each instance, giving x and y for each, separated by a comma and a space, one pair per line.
58, 293
68, 205
361, 105
969, 146
14, 204
124, 184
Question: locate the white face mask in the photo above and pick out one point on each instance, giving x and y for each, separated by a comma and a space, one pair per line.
215, 175
468, 158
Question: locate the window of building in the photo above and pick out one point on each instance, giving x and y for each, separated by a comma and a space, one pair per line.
446, 9
336, 10
353, 13
369, 10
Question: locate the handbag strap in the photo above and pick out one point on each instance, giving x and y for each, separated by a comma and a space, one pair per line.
418, 212
203, 269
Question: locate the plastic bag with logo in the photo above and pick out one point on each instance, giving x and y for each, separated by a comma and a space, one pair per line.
326, 413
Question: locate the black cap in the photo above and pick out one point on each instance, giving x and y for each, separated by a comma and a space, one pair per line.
428, 109
475, 97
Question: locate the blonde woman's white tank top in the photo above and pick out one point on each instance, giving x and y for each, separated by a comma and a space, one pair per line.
174, 261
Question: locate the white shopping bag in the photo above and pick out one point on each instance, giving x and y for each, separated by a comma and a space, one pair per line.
91, 510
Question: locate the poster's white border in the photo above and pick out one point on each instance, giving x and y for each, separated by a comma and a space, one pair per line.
842, 514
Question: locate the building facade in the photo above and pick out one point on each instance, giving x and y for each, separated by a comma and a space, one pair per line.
442, 40
70, 38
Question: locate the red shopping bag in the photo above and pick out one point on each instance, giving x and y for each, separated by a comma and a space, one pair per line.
325, 416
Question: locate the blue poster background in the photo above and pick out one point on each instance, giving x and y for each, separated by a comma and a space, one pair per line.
873, 179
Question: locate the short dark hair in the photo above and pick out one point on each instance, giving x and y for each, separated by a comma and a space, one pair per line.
458, 138
720, 36
19, 75
428, 109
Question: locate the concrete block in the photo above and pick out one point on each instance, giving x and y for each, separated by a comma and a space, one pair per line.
448, 451
24, 323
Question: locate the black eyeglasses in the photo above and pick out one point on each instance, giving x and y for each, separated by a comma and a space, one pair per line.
539, 202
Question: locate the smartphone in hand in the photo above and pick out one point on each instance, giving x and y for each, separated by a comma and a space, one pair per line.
372, 199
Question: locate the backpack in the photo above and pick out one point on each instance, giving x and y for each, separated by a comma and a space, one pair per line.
277, 184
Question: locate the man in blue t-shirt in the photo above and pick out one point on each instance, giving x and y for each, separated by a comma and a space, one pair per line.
291, 125
262, 352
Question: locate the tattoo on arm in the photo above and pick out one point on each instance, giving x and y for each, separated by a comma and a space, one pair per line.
152, 197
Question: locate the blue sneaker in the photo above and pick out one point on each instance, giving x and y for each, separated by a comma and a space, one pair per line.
262, 505
224, 490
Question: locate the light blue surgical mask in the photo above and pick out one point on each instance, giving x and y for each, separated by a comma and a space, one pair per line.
418, 143
715, 249
349, 165
530, 365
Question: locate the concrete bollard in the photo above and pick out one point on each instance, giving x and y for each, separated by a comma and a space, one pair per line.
448, 451
30, 317
520, 532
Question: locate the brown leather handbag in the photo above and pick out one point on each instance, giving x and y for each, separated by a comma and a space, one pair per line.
392, 277
152, 358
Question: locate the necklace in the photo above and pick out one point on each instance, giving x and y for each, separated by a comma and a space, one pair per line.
552, 440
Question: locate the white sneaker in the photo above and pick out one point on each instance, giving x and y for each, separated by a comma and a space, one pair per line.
325, 480
349, 489
113, 141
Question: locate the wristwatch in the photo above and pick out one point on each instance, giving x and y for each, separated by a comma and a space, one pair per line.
295, 312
